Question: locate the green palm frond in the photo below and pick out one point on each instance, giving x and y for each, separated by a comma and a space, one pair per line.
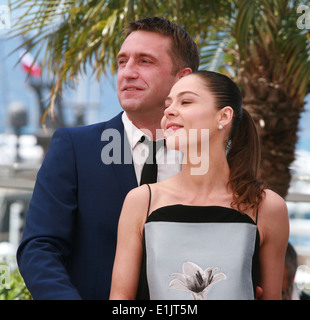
212, 55
267, 29
74, 34
293, 56
257, 42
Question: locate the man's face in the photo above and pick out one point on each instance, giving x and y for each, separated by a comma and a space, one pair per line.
144, 73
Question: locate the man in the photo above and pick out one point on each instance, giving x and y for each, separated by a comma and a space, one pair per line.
68, 246
289, 290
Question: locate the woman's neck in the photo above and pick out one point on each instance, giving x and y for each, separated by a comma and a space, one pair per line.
208, 175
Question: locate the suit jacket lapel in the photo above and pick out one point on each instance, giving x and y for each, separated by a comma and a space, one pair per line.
124, 172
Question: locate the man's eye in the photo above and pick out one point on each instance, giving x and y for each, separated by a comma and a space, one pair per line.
121, 62
145, 61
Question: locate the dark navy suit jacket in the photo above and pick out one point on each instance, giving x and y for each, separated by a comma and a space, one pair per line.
69, 242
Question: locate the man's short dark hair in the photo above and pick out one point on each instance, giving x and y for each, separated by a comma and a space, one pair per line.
184, 51
291, 261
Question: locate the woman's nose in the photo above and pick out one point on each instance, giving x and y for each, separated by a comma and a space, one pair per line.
170, 111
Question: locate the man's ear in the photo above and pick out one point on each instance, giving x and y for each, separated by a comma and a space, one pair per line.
184, 72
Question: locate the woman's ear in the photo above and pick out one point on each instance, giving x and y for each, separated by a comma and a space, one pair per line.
225, 116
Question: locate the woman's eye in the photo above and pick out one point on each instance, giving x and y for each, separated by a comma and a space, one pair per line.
186, 102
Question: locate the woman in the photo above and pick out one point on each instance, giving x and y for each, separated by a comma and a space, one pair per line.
213, 231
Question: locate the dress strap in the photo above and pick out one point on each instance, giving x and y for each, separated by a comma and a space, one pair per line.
148, 209
256, 216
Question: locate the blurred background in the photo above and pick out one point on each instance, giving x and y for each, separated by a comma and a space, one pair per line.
24, 95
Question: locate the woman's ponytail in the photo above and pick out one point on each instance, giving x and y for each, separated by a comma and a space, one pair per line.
243, 154
243, 159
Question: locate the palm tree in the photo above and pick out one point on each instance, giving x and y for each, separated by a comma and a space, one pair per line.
256, 42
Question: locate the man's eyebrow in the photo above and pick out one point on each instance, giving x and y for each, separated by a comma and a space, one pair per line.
142, 54
139, 55
121, 55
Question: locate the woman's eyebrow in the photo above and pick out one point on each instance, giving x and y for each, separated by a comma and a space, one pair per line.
180, 94
187, 92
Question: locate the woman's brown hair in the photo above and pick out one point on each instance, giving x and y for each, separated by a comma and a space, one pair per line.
243, 145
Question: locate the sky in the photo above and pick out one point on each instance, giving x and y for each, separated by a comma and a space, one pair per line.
304, 128
99, 99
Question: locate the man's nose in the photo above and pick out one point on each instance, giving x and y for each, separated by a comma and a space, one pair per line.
130, 70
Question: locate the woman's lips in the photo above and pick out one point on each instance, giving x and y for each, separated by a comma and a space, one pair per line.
173, 127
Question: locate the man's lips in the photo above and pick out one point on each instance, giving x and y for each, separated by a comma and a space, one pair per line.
131, 88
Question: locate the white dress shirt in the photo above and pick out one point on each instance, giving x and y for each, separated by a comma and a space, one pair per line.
168, 161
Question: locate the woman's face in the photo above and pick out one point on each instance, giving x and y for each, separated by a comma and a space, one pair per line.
189, 108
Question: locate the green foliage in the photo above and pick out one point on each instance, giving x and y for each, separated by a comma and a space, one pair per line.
253, 41
73, 34
16, 290
267, 29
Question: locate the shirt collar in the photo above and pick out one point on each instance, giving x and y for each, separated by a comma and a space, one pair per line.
133, 133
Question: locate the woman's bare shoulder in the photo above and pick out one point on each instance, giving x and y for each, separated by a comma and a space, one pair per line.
140, 192
273, 215
137, 199
273, 202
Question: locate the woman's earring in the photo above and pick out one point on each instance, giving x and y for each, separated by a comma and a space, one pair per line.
220, 127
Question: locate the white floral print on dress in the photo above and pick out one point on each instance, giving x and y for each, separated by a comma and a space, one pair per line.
195, 280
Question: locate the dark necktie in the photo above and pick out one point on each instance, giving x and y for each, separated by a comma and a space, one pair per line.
149, 171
